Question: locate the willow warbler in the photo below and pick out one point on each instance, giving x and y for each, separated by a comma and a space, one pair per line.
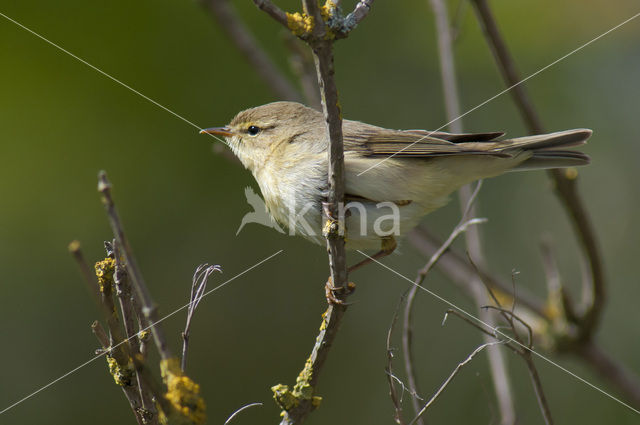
393, 177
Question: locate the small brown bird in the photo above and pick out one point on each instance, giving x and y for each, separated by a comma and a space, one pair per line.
393, 177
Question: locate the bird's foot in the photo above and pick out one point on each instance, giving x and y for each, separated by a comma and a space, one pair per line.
332, 292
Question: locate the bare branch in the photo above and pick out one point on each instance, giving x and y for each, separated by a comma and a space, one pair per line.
537, 387
474, 245
228, 19
565, 185
314, 29
450, 378
359, 13
407, 349
123, 292
460, 271
149, 309
272, 10
101, 334
610, 369
389, 369
115, 345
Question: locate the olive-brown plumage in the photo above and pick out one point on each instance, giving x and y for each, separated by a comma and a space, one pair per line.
284, 145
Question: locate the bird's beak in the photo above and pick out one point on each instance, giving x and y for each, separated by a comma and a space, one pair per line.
218, 131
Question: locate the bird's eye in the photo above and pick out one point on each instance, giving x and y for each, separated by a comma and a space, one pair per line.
253, 130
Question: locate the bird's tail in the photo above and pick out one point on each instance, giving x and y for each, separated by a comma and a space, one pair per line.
549, 150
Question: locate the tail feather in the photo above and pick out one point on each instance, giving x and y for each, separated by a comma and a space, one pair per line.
560, 139
544, 159
546, 149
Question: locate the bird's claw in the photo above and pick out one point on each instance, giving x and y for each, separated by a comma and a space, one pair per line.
331, 292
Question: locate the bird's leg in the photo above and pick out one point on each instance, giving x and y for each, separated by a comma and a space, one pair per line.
388, 245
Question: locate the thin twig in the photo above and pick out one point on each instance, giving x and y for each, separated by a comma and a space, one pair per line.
395, 400
114, 344
359, 13
272, 10
101, 335
407, 332
149, 309
123, 292
450, 378
497, 362
537, 387
565, 187
525, 352
460, 271
198, 288
228, 19
152, 385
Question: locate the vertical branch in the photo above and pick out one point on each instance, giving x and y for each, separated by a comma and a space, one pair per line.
497, 361
565, 184
334, 225
319, 29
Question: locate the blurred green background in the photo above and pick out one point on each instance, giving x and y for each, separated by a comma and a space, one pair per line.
61, 122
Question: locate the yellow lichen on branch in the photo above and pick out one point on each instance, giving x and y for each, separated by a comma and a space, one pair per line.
123, 375
183, 394
288, 398
328, 10
104, 272
300, 24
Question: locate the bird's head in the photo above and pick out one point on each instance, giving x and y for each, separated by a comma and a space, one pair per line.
271, 132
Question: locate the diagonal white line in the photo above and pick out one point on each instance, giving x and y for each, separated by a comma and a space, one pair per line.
136, 335
506, 90
109, 76
497, 331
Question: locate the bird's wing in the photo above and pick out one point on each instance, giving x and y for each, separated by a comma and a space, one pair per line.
459, 137
373, 141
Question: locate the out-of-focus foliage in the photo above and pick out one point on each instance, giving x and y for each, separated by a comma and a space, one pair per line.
61, 122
